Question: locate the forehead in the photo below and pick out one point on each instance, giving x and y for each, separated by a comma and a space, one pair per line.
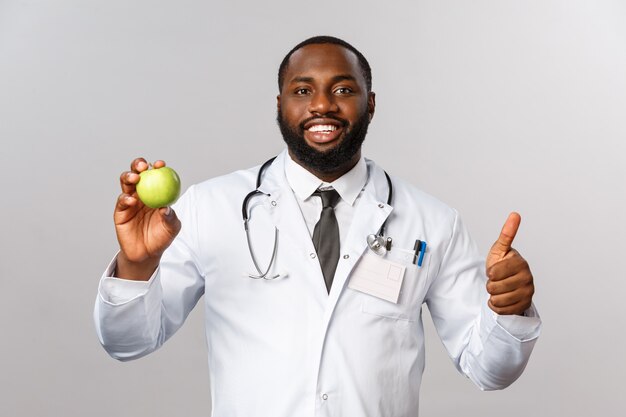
318, 61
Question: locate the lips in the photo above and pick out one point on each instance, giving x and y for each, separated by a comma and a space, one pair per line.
322, 130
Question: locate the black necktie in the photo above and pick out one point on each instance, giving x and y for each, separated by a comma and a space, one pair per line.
326, 236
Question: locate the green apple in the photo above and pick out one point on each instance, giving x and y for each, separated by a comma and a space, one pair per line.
158, 187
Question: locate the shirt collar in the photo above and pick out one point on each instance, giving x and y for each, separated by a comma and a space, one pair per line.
303, 183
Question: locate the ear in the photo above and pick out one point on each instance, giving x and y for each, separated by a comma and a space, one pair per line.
278, 102
371, 104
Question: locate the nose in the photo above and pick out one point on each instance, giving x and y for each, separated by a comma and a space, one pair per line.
323, 103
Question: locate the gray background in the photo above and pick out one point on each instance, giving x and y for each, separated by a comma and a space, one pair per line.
492, 106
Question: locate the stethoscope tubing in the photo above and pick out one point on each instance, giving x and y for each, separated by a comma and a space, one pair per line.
244, 211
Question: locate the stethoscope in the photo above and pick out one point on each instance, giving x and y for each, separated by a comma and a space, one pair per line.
378, 243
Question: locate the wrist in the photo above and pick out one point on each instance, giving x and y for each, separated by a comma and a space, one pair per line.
135, 270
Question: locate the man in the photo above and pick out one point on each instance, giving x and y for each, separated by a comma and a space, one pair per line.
296, 324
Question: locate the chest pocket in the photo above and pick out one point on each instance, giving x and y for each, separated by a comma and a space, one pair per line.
412, 291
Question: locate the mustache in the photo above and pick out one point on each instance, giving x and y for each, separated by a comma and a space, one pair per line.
343, 122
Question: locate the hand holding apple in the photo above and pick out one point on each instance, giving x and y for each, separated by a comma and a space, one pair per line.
144, 232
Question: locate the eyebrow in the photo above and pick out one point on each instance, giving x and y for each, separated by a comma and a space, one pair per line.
335, 79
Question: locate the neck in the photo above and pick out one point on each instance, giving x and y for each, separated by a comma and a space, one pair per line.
330, 176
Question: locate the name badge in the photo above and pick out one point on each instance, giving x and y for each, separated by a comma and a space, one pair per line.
378, 276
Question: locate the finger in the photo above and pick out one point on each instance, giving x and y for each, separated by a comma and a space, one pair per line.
159, 164
124, 202
507, 299
511, 264
128, 182
507, 234
517, 308
138, 165
520, 280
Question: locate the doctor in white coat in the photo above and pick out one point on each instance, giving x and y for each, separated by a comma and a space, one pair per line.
296, 342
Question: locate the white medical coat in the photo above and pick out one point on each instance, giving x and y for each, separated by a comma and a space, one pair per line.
287, 348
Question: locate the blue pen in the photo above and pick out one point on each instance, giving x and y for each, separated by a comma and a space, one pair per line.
422, 252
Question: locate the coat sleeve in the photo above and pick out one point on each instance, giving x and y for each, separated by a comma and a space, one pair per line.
135, 318
489, 349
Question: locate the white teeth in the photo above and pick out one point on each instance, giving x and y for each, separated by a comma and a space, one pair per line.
322, 128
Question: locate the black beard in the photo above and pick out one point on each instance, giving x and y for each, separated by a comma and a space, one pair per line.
333, 159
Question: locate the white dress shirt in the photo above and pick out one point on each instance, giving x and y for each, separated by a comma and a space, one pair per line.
349, 186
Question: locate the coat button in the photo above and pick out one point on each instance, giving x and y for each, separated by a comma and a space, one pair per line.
274, 203
381, 206
324, 397
346, 256
312, 255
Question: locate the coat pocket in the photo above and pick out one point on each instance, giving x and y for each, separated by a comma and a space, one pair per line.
412, 291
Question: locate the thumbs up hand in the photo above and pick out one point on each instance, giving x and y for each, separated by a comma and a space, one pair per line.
510, 282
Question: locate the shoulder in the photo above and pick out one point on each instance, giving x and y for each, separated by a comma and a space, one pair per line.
223, 190
408, 196
410, 201
407, 193
241, 179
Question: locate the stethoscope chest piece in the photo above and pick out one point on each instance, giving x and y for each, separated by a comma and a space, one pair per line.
377, 244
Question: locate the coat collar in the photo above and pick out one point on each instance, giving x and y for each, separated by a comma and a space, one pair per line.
284, 208
274, 180
370, 214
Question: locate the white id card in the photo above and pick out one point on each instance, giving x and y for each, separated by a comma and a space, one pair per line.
377, 276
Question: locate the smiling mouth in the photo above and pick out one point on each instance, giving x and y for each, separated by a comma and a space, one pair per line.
322, 128
322, 131
321, 134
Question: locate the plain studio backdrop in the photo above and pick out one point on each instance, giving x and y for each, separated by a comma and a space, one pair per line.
492, 106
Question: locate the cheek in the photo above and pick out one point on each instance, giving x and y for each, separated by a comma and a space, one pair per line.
293, 112
355, 110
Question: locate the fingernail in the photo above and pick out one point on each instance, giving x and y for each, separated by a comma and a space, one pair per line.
168, 211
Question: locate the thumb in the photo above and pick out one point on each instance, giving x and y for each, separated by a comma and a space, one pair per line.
170, 220
503, 245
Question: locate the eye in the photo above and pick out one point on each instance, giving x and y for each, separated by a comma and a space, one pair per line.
344, 90
301, 91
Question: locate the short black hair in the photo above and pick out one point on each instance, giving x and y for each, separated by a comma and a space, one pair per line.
316, 40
